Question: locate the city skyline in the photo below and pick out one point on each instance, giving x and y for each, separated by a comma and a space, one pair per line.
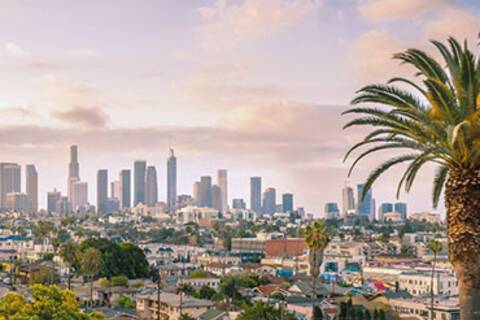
210, 83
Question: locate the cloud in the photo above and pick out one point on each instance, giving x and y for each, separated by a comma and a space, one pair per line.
453, 22
17, 111
398, 9
83, 116
14, 50
227, 24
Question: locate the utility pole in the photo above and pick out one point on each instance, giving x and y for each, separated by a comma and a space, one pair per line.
159, 285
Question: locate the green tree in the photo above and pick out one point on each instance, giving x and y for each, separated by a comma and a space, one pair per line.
46, 303
317, 238
68, 253
261, 310
438, 122
198, 274
436, 247
45, 275
206, 292
91, 263
119, 281
125, 302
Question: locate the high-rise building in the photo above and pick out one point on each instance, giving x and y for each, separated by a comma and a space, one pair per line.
205, 192
10, 175
171, 181
31, 185
238, 204
217, 197
287, 202
348, 201
102, 190
151, 187
52, 198
196, 193
269, 201
139, 170
385, 207
401, 207
79, 195
73, 171
115, 189
331, 210
125, 189
364, 207
17, 201
222, 182
63, 206
256, 194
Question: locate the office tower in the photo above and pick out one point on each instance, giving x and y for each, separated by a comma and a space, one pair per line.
124, 189
79, 195
139, 169
52, 198
373, 209
363, 207
73, 171
112, 205
269, 201
331, 210
196, 193
401, 207
151, 187
287, 202
205, 192
256, 194
17, 201
31, 185
238, 204
10, 175
115, 189
217, 197
63, 205
171, 181
223, 184
385, 207
348, 201
102, 190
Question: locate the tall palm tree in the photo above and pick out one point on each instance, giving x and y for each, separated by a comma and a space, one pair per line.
436, 247
317, 237
437, 119
91, 263
68, 252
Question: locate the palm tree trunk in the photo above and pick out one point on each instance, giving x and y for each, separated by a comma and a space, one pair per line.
462, 200
432, 296
314, 296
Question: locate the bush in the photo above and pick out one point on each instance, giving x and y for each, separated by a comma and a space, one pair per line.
125, 302
119, 281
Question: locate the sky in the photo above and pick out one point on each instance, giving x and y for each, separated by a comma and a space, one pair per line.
253, 86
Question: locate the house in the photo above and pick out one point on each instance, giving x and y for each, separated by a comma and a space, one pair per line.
170, 305
27, 272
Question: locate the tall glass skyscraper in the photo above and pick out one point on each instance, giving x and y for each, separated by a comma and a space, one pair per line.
365, 206
256, 194
287, 202
171, 181
125, 189
151, 187
102, 190
139, 170
31, 185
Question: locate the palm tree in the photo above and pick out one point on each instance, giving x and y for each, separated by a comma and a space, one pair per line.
68, 252
438, 121
436, 247
317, 237
91, 262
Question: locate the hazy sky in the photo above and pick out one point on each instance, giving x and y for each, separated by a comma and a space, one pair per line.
253, 86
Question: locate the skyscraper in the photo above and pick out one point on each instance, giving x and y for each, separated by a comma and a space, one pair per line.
256, 194
17, 201
10, 175
31, 185
102, 190
139, 167
124, 190
171, 181
238, 204
151, 187
364, 207
269, 201
217, 197
223, 184
331, 210
401, 207
205, 192
287, 202
196, 193
385, 207
52, 199
73, 171
348, 201
79, 195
